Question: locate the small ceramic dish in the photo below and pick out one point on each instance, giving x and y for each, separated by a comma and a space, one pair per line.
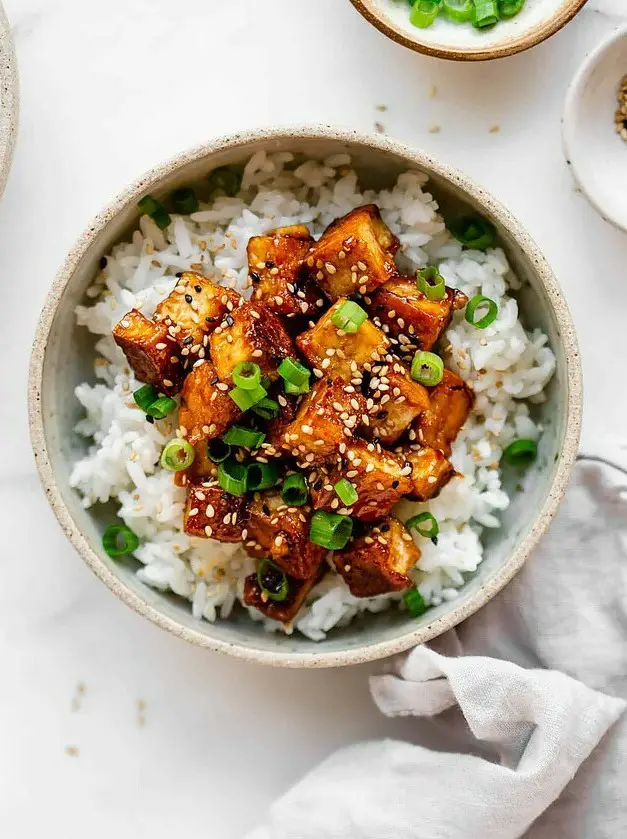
462, 42
594, 150
63, 357
9, 98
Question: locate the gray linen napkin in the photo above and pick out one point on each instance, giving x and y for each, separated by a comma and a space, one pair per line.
516, 731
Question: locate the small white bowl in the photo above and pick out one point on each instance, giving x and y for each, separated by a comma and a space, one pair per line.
595, 152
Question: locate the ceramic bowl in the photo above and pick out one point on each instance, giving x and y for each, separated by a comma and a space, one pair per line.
595, 152
63, 357
9, 98
462, 42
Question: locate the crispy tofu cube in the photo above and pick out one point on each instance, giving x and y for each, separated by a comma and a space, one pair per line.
194, 309
378, 562
282, 534
151, 351
288, 409
431, 471
250, 332
278, 273
396, 402
355, 253
340, 353
450, 403
283, 610
210, 512
206, 409
404, 310
326, 419
380, 478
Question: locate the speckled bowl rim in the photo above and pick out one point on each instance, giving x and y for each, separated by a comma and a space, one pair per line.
569, 123
372, 651
511, 46
9, 99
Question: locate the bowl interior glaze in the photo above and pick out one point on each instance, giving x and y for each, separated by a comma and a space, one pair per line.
63, 357
538, 20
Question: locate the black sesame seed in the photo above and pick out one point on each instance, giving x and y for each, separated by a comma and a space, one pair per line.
384, 528
103, 262
254, 276
269, 264
229, 320
318, 485
189, 340
214, 381
395, 484
197, 289
188, 298
266, 509
149, 419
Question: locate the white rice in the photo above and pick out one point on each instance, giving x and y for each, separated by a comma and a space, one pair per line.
507, 366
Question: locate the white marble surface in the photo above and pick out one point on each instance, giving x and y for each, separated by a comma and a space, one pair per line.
109, 88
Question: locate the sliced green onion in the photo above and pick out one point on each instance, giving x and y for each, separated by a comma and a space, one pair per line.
346, 492
218, 450
249, 438
261, 476
459, 10
177, 455
480, 302
294, 490
119, 540
294, 372
157, 212
145, 396
427, 368
226, 179
426, 524
296, 390
431, 283
272, 580
330, 530
510, 8
267, 408
473, 232
485, 13
348, 317
245, 399
184, 201
232, 477
161, 407
521, 453
247, 375
414, 603
424, 12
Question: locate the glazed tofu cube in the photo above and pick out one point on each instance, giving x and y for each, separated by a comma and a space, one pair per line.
354, 254
380, 478
450, 403
283, 610
250, 332
404, 310
194, 309
326, 419
378, 562
278, 273
206, 409
396, 402
276, 428
431, 471
151, 351
340, 353
210, 512
281, 533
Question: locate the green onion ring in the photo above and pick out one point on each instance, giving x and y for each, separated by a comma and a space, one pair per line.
424, 12
161, 407
427, 368
247, 375
418, 523
232, 476
156, 211
177, 455
486, 13
226, 179
184, 201
431, 283
119, 540
349, 317
479, 302
293, 372
272, 581
267, 408
145, 396
261, 476
245, 399
330, 530
218, 450
414, 602
346, 492
294, 490
248, 438
458, 10
510, 8
521, 453
474, 232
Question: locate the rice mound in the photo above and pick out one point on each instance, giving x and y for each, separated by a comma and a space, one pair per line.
508, 368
